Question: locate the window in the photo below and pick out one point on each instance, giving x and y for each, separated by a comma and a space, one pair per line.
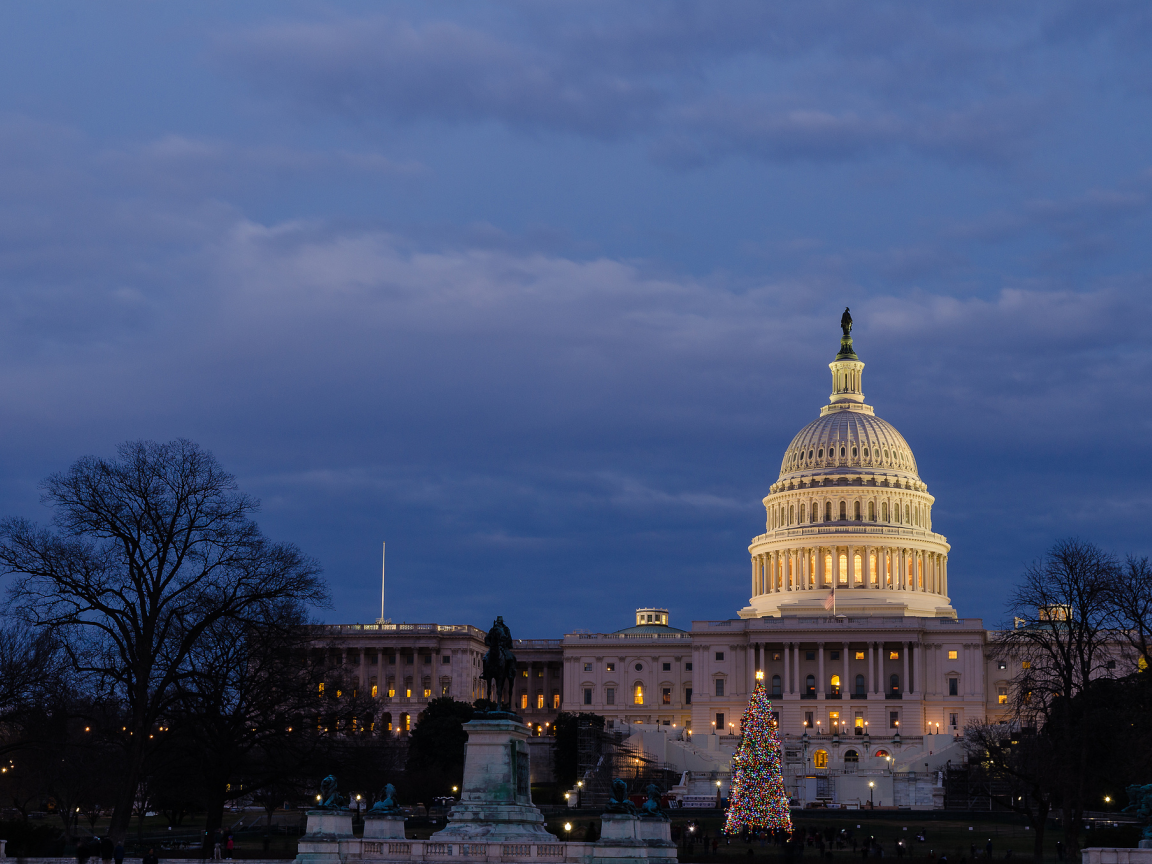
391, 687
952, 718
810, 685
427, 659
611, 667
391, 659
775, 685
882, 754
587, 667
687, 695
820, 759
719, 686
321, 688
859, 655
893, 655
446, 659
375, 692
687, 667
827, 511
1111, 664
1001, 665
953, 655
667, 667
719, 655
776, 655
524, 701
639, 667
807, 719
408, 660
1002, 695
587, 695
835, 685
719, 723
610, 696
894, 683
809, 655
841, 452
407, 688
539, 700
953, 687
851, 756
843, 511
638, 695
1027, 664
871, 511
893, 719
555, 700
859, 723
835, 655
524, 673
666, 696
856, 511
776, 719
884, 511
820, 453
861, 687
834, 721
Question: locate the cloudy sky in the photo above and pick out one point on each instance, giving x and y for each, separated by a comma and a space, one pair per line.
539, 293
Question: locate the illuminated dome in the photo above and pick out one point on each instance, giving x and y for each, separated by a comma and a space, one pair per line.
849, 509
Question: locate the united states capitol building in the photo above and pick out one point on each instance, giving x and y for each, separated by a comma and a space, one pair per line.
872, 673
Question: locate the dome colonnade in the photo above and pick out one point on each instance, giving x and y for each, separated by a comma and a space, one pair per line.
849, 510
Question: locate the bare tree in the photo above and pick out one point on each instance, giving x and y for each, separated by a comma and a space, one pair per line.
1017, 768
145, 553
1062, 616
1132, 603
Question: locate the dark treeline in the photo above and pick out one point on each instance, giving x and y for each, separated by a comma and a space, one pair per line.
1075, 653
157, 653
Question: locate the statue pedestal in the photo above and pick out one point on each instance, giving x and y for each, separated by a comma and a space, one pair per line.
327, 839
383, 826
496, 800
626, 839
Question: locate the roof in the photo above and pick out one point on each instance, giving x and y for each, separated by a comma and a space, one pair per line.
651, 628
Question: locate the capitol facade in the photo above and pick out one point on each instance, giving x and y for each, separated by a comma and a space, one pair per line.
871, 672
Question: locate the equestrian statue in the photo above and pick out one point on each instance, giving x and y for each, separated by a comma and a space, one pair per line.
499, 663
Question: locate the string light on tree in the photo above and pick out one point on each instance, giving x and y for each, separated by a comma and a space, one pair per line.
757, 798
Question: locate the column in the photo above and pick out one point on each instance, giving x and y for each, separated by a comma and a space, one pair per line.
835, 566
795, 667
945, 591
787, 682
879, 683
845, 689
804, 569
821, 685
904, 654
920, 670
870, 677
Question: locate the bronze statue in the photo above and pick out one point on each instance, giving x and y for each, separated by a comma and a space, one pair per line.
651, 807
330, 799
499, 662
619, 802
846, 322
387, 802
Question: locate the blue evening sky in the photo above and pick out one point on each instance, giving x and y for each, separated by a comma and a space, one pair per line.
540, 292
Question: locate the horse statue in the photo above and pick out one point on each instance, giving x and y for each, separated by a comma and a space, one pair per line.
499, 662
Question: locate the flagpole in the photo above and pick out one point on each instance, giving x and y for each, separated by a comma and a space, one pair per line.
383, 550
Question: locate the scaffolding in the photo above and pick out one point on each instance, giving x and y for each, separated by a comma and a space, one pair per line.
603, 756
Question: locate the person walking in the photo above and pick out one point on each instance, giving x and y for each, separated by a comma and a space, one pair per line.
118, 853
228, 845
217, 842
988, 849
107, 850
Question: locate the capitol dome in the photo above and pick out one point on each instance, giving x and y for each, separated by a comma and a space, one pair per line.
849, 518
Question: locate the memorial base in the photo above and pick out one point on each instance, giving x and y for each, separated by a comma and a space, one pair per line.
381, 826
328, 838
626, 839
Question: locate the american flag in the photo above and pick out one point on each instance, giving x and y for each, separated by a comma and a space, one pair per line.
830, 600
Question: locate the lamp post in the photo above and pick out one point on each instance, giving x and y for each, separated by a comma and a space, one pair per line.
718, 800
871, 802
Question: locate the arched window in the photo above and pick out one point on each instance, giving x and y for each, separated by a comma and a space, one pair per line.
827, 511
894, 683
881, 754
775, 685
810, 685
835, 684
820, 759
841, 452
843, 511
405, 724
871, 511
843, 580
386, 721
884, 516
809, 455
851, 756
638, 695
854, 452
908, 514
860, 686
857, 569
820, 453
791, 515
856, 511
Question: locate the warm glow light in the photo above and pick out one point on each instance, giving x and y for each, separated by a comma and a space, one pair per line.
759, 675
870, 784
1107, 799
454, 788
579, 784
567, 796
567, 826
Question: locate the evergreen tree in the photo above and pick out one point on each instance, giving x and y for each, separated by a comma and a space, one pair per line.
757, 799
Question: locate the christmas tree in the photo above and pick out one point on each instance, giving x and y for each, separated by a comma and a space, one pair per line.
757, 798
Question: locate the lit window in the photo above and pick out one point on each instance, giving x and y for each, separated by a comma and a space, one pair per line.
820, 759
859, 655
408, 691
893, 655
427, 692
611, 667
952, 655
1002, 695
539, 700
666, 696
835, 685
321, 688
373, 691
1027, 664
1001, 665
555, 701
638, 695
523, 701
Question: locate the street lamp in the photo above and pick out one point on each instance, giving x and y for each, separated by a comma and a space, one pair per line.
568, 826
871, 803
